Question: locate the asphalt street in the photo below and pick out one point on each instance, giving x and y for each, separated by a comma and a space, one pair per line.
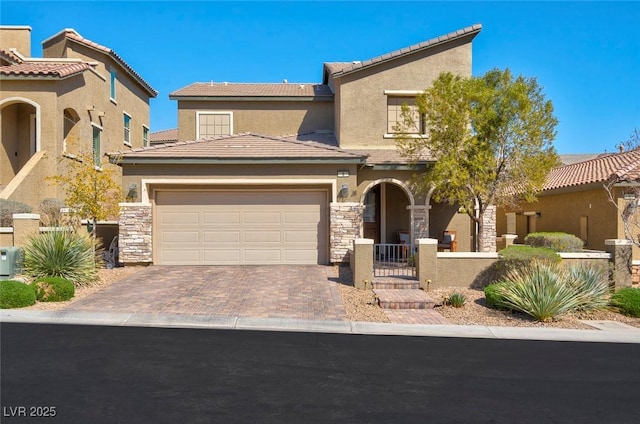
102, 374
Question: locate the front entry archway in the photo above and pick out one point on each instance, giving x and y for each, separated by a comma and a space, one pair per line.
19, 123
387, 215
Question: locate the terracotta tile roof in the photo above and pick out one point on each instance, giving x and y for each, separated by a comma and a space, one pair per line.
625, 166
569, 159
386, 156
332, 67
322, 138
71, 34
241, 147
44, 69
9, 57
217, 89
164, 136
339, 70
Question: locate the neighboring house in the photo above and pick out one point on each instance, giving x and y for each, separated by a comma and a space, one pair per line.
80, 96
290, 173
575, 201
165, 136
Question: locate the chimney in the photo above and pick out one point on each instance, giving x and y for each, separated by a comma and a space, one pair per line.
16, 37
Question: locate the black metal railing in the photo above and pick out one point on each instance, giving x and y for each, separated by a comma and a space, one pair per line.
394, 260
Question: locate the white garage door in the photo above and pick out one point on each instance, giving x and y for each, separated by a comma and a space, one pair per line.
240, 227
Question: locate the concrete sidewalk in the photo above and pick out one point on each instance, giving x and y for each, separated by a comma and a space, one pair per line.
613, 334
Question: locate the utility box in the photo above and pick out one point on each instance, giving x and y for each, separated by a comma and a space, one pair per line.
10, 261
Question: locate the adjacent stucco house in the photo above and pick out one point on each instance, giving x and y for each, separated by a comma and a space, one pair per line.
80, 96
289, 173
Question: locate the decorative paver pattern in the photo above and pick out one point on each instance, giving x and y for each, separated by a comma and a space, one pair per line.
415, 316
307, 292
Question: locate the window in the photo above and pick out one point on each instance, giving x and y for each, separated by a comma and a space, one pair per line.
127, 129
394, 115
112, 92
211, 124
97, 132
145, 136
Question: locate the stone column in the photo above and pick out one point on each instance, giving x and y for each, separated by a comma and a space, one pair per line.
420, 221
134, 238
362, 263
427, 263
345, 222
622, 259
24, 226
489, 230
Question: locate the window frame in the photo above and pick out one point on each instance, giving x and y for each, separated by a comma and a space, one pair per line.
199, 114
97, 151
126, 124
145, 136
113, 77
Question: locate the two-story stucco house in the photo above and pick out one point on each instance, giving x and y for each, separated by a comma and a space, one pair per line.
290, 173
80, 96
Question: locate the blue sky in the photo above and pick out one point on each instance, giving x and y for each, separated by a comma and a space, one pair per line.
586, 55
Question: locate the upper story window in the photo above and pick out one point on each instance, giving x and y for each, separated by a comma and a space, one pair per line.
145, 136
394, 115
97, 152
127, 129
210, 124
112, 86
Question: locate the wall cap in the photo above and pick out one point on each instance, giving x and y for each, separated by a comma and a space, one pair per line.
348, 204
635, 262
362, 241
134, 204
618, 242
468, 255
26, 216
6, 230
427, 241
585, 255
510, 236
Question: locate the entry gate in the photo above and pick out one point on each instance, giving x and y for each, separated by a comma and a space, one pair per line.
394, 260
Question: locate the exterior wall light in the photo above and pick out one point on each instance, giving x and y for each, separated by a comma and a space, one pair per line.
343, 173
344, 190
132, 195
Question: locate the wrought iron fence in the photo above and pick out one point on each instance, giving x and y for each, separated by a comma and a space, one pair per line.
394, 260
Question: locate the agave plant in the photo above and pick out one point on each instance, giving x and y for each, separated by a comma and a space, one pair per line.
591, 283
60, 253
540, 291
457, 300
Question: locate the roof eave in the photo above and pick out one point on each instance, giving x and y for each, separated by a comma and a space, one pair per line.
119, 160
327, 98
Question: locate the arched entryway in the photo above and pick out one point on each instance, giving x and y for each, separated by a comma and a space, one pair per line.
19, 128
387, 214
71, 131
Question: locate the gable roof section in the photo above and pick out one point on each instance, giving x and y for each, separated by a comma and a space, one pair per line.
238, 149
338, 69
252, 90
31, 69
8, 57
164, 136
624, 166
72, 35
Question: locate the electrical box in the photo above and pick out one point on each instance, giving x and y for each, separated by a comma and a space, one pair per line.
10, 261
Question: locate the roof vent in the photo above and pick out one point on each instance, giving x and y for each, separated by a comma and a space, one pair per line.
301, 86
226, 83
356, 62
284, 81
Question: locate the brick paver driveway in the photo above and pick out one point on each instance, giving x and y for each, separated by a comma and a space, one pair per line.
303, 292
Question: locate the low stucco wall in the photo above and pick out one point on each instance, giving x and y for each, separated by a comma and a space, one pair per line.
460, 269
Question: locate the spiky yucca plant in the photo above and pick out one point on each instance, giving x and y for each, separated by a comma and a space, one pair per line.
592, 283
68, 254
457, 300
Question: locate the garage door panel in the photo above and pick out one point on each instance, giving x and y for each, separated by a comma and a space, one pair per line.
221, 237
241, 227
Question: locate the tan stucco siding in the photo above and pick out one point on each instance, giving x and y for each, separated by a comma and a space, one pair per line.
18, 38
563, 212
259, 117
363, 104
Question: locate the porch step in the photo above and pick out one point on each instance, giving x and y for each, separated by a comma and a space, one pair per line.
404, 299
395, 283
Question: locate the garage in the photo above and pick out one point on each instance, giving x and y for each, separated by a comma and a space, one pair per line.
240, 227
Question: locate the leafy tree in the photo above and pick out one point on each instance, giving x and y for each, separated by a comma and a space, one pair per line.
90, 191
491, 139
628, 205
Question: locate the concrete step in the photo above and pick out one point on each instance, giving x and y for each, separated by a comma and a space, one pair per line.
403, 299
395, 283
415, 316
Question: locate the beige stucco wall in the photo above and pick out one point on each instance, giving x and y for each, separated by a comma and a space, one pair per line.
260, 117
18, 37
562, 212
361, 105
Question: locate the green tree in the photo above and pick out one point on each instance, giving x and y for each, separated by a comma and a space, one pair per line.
490, 137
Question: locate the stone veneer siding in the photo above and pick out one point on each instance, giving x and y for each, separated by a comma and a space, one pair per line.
345, 221
134, 239
420, 222
489, 230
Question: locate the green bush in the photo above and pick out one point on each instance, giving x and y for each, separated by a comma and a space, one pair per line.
14, 294
457, 300
8, 208
59, 253
558, 242
493, 297
627, 301
53, 289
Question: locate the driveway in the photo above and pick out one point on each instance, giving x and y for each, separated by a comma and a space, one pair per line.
307, 292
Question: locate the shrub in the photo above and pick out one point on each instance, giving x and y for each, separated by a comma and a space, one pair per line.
627, 301
457, 300
8, 208
493, 297
50, 209
558, 242
592, 283
53, 289
14, 294
71, 255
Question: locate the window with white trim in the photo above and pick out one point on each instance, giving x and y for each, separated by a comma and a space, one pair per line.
112, 88
211, 124
127, 128
97, 152
394, 115
145, 136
